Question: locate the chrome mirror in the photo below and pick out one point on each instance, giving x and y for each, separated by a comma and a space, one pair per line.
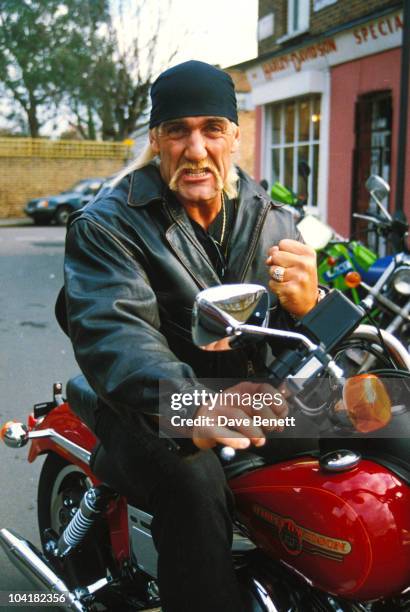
378, 189
377, 185
220, 311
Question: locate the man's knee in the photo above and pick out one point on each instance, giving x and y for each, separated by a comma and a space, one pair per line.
199, 481
201, 472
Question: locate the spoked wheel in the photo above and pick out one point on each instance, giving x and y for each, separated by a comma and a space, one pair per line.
404, 335
61, 488
365, 351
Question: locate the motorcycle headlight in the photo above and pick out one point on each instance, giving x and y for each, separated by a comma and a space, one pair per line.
401, 281
42, 204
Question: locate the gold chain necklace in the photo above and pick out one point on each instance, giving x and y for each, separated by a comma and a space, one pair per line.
223, 220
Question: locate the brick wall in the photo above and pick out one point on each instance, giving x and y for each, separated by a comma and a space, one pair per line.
279, 9
343, 11
246, 154
23, 178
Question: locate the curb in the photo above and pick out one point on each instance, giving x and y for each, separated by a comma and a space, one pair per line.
16, 222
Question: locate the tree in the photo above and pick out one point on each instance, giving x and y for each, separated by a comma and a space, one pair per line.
108, 83
34, 35
77, 57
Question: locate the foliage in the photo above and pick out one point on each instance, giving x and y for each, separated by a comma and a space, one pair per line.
71, 56
111, 77
34, 34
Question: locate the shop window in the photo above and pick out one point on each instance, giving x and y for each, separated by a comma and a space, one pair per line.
295, 136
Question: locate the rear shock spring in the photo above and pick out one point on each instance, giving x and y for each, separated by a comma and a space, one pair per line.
93, 503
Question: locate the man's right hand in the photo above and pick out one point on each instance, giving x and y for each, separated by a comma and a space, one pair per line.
239, 435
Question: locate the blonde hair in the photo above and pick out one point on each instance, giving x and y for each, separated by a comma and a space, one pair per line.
147, 155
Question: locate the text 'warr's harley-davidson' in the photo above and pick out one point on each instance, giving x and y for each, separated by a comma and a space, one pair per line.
323, 525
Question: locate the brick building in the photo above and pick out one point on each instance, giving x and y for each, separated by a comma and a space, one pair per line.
246, 115
326, 86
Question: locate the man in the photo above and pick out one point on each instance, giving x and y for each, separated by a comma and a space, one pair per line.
135, 259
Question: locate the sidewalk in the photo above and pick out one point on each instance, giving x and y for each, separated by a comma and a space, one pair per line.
16, 222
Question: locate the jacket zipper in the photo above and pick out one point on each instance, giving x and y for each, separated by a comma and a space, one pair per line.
255, 240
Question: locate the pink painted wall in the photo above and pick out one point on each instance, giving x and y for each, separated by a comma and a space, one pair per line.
348, 81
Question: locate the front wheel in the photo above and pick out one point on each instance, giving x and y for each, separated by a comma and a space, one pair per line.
61, 488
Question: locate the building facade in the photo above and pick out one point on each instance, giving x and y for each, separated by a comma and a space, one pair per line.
326, 89
246, 115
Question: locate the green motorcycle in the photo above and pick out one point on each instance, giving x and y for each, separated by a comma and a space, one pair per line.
342, 263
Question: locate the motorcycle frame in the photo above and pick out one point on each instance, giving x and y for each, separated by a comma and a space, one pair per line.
70, 429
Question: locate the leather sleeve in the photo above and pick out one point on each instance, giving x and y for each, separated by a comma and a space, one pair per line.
114, 322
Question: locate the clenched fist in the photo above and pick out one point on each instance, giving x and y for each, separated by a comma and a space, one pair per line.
294, 266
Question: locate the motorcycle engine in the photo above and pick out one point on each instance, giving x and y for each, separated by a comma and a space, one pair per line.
271, 587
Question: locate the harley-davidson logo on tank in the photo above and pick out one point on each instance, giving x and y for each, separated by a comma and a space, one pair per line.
295, 538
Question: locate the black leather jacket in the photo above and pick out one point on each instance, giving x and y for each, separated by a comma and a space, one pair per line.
133, 267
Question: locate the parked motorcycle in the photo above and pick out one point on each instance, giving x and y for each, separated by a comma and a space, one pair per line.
321, 524
388, 279
350, 266
337, 256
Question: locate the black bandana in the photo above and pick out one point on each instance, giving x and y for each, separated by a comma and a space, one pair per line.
192, 89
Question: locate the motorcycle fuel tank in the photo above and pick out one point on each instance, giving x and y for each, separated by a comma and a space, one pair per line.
347, 533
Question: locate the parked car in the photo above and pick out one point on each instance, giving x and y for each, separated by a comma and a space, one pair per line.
57, 208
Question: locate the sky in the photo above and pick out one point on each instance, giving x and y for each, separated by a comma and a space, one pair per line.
218, 31
221, 32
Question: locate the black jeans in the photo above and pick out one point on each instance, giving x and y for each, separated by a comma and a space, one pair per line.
191, 504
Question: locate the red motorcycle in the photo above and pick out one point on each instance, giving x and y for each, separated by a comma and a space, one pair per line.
322, 524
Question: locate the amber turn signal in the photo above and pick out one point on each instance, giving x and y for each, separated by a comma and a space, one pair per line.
353, 280
367, 402
5, 429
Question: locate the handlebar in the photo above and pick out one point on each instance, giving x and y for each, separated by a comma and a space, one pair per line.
371, 219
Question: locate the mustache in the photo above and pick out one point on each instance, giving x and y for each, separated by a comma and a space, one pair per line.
203, 165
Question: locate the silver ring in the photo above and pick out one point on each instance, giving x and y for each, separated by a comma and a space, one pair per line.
278, 274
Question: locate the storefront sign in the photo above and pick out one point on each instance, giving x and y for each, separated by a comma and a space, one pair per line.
370, 38
381, 27
296, 58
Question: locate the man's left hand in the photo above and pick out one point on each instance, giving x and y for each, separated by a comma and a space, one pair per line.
297, 291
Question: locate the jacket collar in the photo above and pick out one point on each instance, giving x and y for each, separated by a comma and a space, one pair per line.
146, 186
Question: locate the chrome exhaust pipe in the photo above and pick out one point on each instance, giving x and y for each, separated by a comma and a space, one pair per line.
27, 559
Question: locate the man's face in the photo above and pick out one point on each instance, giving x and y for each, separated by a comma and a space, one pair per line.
195, 155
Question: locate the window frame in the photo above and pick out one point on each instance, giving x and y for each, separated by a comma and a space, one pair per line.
283, 145
302, 7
